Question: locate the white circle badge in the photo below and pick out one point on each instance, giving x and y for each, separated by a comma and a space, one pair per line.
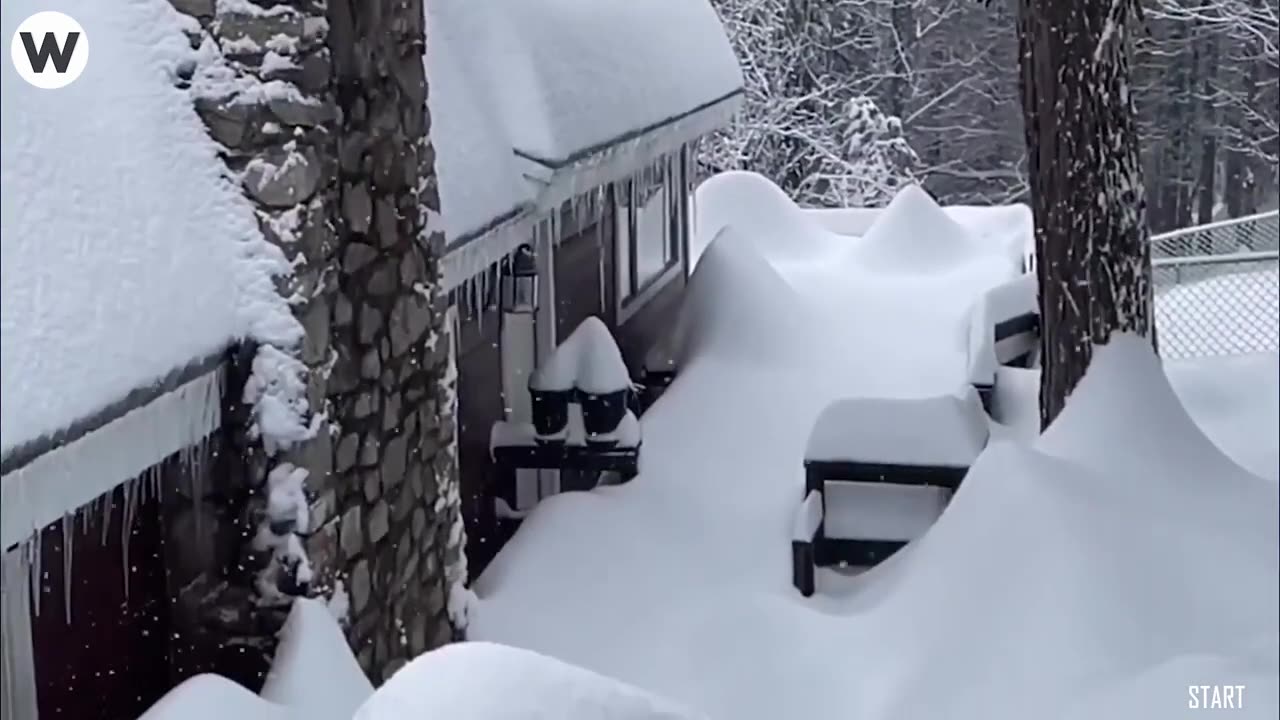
49, 50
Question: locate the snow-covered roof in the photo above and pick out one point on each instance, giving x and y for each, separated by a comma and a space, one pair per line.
127, 254
521, 88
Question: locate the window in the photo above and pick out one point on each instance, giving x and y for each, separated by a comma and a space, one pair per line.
651, 220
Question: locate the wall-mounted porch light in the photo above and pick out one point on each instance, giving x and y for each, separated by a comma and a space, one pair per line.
519, 293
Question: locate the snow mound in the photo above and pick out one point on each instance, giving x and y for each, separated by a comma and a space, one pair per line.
945, 430
1126, 388
1152, 692
738, 307
213, 697
1009, 228
588, 359
1242, 418
314, 672
914, 234
110, 285
1065, 574
487, 681
776, 226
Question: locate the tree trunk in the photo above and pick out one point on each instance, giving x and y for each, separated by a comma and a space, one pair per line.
1094, 260
1207, 198
1233, 183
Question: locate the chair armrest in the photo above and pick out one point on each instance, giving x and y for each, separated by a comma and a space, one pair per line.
808, 518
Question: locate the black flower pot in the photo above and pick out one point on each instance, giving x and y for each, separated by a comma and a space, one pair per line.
601, 415
550, 413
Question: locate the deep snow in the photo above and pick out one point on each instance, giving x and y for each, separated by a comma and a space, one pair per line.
1093, 573
314, 676
127, 253
314, 673
485, 681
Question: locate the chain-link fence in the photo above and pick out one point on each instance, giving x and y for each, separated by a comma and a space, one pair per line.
1218, 287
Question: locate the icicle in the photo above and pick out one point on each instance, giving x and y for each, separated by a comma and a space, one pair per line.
68, 533
600, 266
477, 307
197, 488
130, 504
34, 562
107, 505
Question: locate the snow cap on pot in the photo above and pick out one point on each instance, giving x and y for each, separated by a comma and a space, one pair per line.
603, 382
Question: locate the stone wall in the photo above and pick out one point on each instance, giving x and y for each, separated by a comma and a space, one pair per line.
321, 114
261, 84
394, 474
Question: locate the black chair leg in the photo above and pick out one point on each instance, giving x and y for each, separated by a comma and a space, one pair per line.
802, 567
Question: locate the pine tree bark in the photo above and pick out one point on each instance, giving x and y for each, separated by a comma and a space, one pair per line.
1093, 256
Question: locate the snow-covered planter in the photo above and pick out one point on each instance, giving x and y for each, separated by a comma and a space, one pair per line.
601, 415
550, 392
603, 383
550, 409
587, 368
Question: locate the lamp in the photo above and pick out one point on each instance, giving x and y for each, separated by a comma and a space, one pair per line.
519, 293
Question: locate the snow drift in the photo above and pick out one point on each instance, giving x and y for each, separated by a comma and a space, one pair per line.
738, 307
914, 234
484, 681
771, 222
1099, 570
213, 697
314, 673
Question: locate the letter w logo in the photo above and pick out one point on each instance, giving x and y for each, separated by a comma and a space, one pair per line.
49, 49
40, 58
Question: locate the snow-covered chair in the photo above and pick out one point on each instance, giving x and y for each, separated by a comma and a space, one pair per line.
878, 472
1004, 330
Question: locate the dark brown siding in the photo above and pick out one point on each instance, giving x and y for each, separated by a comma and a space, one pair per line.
580, 260
480, 404
121, 650
650, 325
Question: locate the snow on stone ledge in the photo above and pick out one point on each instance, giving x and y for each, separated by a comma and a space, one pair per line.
314, 672
948, 430
486, 681
126, 250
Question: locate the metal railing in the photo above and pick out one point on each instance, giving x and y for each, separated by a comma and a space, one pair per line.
1218, 287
